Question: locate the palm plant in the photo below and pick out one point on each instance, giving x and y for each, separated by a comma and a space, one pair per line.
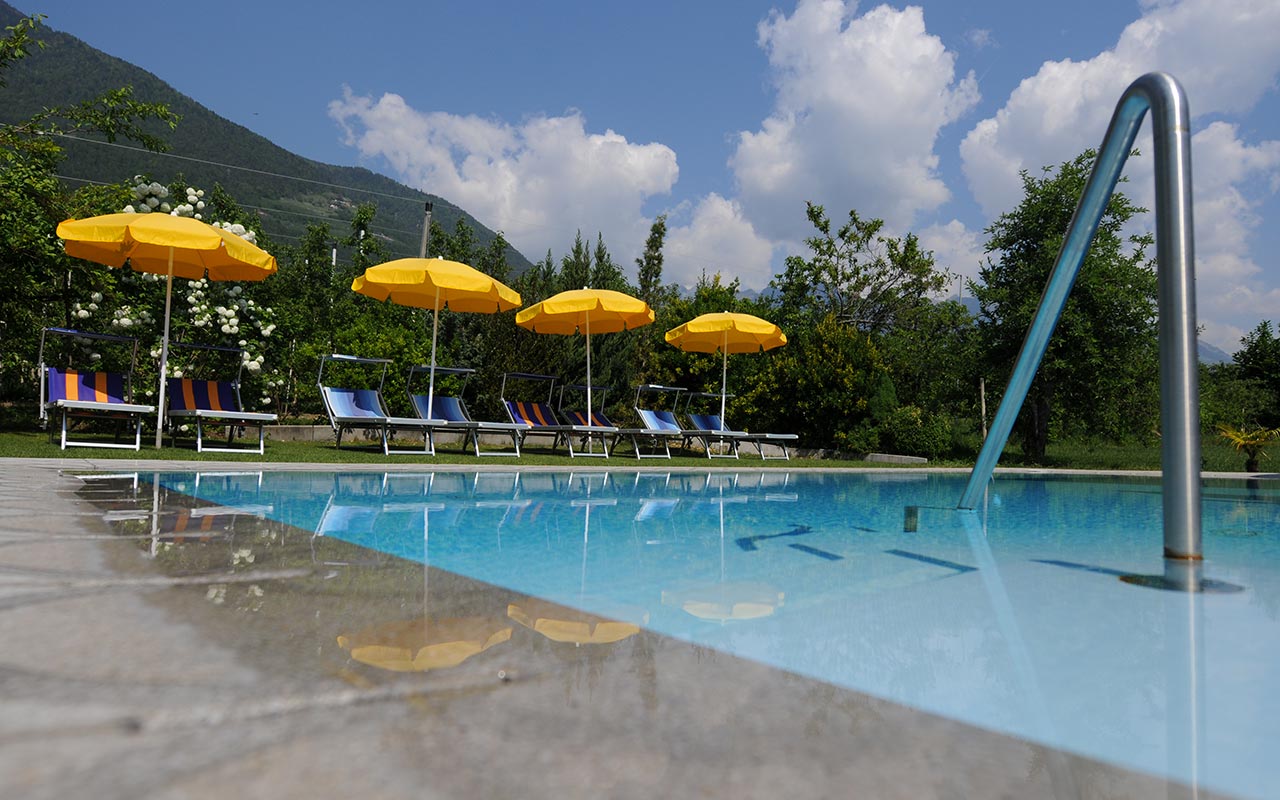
1249, 441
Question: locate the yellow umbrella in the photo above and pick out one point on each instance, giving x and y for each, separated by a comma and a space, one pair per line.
163, 244
582, 310
418, 645
435, 283
727, 332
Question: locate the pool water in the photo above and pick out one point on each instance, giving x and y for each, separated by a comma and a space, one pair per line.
1014, 618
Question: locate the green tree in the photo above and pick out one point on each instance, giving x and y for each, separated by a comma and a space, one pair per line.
1099, 375
1258, 362
652, 291
41, 283
864, 279
932, 358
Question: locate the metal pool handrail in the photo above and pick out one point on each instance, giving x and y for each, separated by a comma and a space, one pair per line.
1175, 258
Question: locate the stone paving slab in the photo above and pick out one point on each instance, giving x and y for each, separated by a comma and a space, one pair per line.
161, 667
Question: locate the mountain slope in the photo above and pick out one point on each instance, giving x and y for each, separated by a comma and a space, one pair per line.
286, 190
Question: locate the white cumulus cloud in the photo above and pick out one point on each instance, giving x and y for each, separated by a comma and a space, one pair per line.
718, 239
1224, 54
860, 101
539, 182
956, 249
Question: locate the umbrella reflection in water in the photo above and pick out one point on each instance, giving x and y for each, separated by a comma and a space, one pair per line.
563, 624
724, 601
429, 642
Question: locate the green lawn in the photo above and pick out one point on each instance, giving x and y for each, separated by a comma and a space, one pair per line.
1218, 456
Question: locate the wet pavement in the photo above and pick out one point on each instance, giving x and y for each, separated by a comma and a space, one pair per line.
175, 650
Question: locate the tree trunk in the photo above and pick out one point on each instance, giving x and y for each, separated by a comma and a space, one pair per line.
1035, 429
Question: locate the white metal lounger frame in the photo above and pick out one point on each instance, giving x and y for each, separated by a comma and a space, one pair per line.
779, 440
471, 428
123, 411
385, 424
231, 419
561, 432
655, 437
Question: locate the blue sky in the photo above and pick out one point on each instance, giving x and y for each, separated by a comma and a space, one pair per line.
543, 119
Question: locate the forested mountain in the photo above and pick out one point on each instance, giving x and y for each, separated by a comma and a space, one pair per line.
67, 71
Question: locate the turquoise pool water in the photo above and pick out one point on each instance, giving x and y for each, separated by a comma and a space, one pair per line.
1014, 619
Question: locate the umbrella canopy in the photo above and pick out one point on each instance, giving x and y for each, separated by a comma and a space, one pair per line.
436, 283
418, 645
727, 332
163, 244
584, 311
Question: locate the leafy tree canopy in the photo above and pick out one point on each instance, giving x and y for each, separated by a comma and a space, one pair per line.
1099, 375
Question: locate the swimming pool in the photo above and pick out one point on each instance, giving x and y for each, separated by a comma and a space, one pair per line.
1014, 619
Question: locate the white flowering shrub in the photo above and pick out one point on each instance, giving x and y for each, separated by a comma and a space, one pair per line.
204, 312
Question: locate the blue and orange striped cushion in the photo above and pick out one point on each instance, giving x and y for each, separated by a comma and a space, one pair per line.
580, 418
186, 394
538, 415
94, 387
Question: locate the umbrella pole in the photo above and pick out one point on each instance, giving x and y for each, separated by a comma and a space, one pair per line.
589, 407
724, 378
431, 382
164, 352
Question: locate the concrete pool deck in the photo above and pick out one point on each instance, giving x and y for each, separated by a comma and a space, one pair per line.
188, 671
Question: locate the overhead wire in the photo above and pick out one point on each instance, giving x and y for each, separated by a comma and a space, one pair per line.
211, 163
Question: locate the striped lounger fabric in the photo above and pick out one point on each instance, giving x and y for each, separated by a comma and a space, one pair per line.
651, 435
94, 395
363, 408
216, 402
713, 423
456, 417
538, 418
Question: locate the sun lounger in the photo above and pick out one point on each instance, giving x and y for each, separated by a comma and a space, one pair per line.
639, 437
363, 409
658, 428
538, 419
665, 420
710, 425
91, 395
214, 402
453, 415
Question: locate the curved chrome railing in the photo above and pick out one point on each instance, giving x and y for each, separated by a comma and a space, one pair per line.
1175, 257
